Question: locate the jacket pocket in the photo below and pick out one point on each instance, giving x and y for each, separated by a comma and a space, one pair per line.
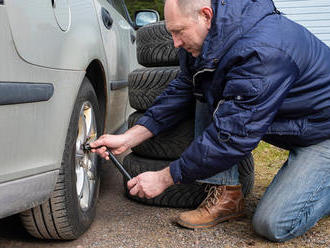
235, 110
243, 90
231, 119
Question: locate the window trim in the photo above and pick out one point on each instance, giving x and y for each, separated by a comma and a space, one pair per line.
128, 17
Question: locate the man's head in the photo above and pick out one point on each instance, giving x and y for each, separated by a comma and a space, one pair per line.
189, 22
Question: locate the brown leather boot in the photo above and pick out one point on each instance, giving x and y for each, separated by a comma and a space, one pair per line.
222, 203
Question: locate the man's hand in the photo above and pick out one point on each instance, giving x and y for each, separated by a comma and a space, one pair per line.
121, 142
150, 184
117, 143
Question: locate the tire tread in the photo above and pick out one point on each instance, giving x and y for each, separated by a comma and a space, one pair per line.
146, 84
155, 46
168, 145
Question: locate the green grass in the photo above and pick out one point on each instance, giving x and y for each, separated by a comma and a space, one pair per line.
268, 160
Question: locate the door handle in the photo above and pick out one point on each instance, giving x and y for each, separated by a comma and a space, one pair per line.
106, 18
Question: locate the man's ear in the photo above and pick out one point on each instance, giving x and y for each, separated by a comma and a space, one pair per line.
207, 14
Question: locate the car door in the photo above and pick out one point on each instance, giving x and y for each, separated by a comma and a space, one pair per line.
119, 43
39, 43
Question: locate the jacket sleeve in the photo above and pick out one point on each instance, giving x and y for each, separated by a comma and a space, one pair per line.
255, 87
173, 105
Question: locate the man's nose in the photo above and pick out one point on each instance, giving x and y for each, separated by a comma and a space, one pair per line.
177, 41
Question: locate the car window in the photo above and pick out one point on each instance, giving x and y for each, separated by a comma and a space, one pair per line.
121, 8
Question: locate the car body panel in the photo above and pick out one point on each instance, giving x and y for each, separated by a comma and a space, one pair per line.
19, 195
121, 59
35, 50
39, 39
62, 13
34, 136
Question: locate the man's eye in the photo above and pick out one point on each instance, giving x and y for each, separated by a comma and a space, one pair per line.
175, 32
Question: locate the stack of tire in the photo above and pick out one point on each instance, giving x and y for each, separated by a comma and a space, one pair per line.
156, 52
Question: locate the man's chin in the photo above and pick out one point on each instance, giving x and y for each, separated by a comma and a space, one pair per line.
195, 54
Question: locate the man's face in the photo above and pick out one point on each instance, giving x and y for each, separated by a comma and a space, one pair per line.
187, 32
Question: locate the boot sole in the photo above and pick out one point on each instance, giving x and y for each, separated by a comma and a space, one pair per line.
209, 224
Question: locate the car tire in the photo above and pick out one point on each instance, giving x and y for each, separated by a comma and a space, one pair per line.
71, 207
154, 45
246, 174
145, 84
180, 195
168, 145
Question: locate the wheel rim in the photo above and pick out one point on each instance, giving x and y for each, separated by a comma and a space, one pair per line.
85, 162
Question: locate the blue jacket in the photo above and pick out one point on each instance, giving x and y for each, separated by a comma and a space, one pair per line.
262, 75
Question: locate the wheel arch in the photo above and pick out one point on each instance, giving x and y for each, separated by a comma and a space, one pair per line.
96, 74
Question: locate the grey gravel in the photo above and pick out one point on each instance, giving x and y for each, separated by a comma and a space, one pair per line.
122, 223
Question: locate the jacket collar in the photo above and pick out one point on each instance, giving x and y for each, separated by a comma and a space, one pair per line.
231, 20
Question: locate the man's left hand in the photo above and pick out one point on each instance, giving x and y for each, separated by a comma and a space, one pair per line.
150, 184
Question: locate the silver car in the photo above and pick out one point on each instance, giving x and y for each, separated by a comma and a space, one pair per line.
64, 66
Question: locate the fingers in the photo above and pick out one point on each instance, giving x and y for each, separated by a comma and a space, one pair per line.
97, 142
114, 142
135, 188
101, 141
143, 186
102, 152
132, 182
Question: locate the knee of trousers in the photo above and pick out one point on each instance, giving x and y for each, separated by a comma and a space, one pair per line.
268, 226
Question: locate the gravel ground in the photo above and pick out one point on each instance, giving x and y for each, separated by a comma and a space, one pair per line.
121, 222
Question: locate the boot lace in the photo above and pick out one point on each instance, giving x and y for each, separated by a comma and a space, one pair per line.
213, 196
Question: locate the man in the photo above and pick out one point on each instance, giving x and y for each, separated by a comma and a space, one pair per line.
263, 77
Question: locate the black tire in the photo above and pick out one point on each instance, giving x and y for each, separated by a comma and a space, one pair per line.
154, 45
181, 195
246, 174
178, 196
147, 83
168, 145
61, 216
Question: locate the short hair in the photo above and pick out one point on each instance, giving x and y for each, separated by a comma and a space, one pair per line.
192, 7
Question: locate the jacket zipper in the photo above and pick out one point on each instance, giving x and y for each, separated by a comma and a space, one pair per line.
218, 105
199, 72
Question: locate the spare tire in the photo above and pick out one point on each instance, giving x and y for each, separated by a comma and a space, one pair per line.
180, 195
154, 46
246, 174
168, 145
145, 84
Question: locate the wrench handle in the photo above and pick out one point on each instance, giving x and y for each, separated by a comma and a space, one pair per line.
87, 147
119, 165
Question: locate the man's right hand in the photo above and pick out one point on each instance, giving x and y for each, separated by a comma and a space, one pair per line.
121, 142
117, 143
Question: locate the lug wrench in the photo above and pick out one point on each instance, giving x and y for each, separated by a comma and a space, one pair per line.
87, 147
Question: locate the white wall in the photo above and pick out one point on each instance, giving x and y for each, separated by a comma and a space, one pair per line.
313, 14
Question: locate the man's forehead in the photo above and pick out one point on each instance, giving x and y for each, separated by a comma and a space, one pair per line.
178, 21
173, 25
